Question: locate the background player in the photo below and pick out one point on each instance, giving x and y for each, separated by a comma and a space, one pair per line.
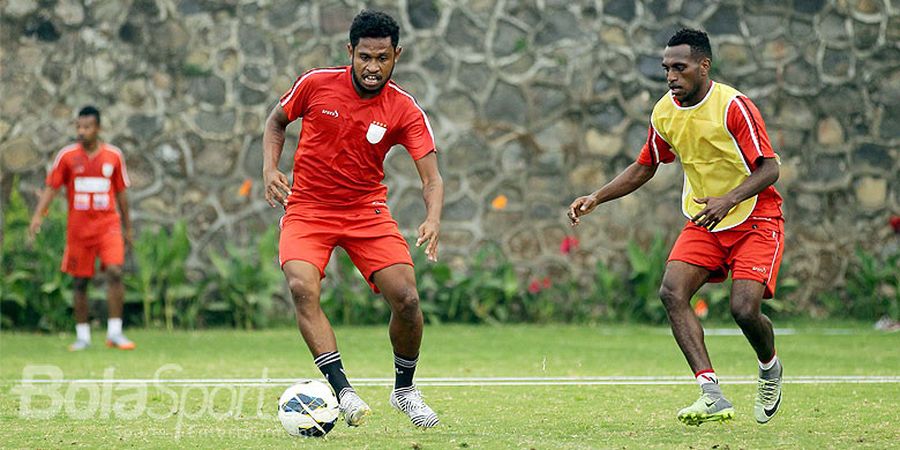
735, 215
95, 178
352, 116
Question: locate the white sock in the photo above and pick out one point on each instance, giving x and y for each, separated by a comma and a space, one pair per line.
706, 376
83, 332
770, 364
114, 326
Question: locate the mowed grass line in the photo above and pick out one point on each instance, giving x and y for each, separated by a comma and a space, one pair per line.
813, 415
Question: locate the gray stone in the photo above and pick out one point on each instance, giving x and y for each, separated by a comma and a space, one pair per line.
209, 89
506, 104
19, 154
215, 122
623, 9
558, 24
830, 131
144, 127
801, 74
833, 28
252, 42
256, 74
250, 96
809, 6
873, 156
650, 67
462, 210
605, 115
871, 193
837, 63
724, 21
19, 8
336, 18
42, 28
70, 12
508, 39
283, 13
463, 33
423, 15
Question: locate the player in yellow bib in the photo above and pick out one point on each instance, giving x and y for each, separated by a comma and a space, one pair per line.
735, 222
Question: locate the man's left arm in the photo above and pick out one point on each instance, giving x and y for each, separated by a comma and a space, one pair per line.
433, 193
122, 201
746, 125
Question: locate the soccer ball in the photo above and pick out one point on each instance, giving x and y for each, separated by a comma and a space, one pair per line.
308, 408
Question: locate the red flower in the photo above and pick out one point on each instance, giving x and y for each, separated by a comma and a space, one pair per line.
534, 287
701, 310
546, 283
568, 245
895, 223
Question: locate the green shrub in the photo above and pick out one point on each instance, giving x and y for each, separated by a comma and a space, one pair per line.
872, 288
34, 293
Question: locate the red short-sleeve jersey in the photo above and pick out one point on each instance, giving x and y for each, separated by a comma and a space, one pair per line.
345, 138
91, 182
745, 123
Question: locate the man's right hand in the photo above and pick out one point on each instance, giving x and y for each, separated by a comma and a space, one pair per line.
34, 227
580, 207
277, 189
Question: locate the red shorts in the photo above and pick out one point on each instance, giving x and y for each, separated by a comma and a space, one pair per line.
81, 254
751, 251
368, 233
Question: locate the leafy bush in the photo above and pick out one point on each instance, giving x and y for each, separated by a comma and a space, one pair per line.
872, 288
34, 294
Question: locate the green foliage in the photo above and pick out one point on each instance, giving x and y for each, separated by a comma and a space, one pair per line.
872, 287
346, 297
159, 279
243, 281
34, 294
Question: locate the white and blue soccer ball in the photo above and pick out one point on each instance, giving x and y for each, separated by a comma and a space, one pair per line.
308, 408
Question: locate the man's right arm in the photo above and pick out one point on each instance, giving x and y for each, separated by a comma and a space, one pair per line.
633, 177
41, 210
276, 183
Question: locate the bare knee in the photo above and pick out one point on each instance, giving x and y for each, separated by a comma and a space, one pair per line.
744, 311
673, 297
305, 294
80, 285
406, 303
114, 274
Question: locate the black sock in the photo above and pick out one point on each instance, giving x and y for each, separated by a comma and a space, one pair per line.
331, 366
405, 369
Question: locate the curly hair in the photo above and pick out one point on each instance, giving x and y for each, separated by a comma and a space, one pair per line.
88, 111
698, 40
374, 24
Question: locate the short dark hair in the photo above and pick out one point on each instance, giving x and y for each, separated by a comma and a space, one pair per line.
698, 40
374, 24
90, 111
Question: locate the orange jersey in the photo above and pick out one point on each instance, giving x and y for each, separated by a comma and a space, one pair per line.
345, 138
92, 182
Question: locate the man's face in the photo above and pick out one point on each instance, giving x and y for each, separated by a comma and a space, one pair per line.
87, 129
373, 62
686, 74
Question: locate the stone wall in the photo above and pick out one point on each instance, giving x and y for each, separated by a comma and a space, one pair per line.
533, 102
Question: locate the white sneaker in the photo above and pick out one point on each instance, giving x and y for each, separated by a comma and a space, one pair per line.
354, 408
410, 402
79, 345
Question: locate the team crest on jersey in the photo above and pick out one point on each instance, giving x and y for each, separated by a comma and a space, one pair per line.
107, 170
376, 132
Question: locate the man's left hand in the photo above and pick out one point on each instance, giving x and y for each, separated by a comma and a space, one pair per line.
716, 209
428, 233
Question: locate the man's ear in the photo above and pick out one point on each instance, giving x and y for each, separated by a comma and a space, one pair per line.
397, 52
350, 51
705, 66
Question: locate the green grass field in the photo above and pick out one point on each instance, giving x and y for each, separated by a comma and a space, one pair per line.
814, 414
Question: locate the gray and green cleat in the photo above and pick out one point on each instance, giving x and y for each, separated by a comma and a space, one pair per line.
707, 409
768, 394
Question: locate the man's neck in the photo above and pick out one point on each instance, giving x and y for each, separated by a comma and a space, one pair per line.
92, 147
701, 94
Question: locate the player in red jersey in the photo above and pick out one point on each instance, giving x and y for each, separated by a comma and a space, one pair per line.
735, 219
95, 178
352, 116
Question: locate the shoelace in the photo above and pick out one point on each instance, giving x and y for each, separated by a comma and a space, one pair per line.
768, 391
